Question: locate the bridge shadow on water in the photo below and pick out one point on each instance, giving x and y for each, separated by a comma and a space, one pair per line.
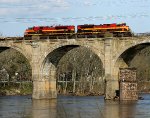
73, 107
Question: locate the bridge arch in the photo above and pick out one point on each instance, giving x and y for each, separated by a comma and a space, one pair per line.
125, 48
49, 65
19, 67
93, 48
122, 58
20, 50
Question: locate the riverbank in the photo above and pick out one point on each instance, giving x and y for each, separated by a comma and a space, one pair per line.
82, 94
26, 89
16, 89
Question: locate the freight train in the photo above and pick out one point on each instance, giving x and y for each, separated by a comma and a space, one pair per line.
86, 30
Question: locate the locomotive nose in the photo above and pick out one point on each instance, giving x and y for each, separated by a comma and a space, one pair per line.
78, 27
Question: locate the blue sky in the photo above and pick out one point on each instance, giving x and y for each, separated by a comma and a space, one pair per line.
18, 15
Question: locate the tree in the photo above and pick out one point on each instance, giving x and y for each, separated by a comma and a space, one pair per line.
14, 62
85, 69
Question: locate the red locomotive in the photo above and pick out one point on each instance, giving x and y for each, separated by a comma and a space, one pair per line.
87, 30
50, 31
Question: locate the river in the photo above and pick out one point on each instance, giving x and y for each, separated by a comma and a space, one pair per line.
73, 107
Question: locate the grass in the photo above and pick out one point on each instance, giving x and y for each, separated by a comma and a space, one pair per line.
16, 89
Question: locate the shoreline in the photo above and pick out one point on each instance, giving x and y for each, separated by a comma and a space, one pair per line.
25, 94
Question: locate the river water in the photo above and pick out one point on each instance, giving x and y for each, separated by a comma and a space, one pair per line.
73, 107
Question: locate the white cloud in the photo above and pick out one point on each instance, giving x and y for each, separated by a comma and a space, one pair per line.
5, 11
28, 7
9, 1
87, 2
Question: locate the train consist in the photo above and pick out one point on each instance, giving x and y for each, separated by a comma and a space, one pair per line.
86, 30
51, 31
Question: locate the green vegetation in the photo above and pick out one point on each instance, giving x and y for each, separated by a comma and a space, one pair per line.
15, 73
16, 88
15, 63
80, 72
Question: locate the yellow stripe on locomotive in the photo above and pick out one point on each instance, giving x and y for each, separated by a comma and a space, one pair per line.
115, 29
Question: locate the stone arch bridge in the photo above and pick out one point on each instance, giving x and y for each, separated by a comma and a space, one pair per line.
44, 55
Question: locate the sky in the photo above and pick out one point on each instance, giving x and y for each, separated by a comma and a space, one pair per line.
18, 15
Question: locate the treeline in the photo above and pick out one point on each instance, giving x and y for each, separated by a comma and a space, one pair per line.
15, 73
14, 66
80, 72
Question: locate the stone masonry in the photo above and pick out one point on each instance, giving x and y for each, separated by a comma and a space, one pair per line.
44, 55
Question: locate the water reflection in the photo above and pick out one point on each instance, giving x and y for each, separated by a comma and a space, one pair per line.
44, 108
119, 109
66, 107
111, 109
127, 109
15, 106
78, 107
72, 107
